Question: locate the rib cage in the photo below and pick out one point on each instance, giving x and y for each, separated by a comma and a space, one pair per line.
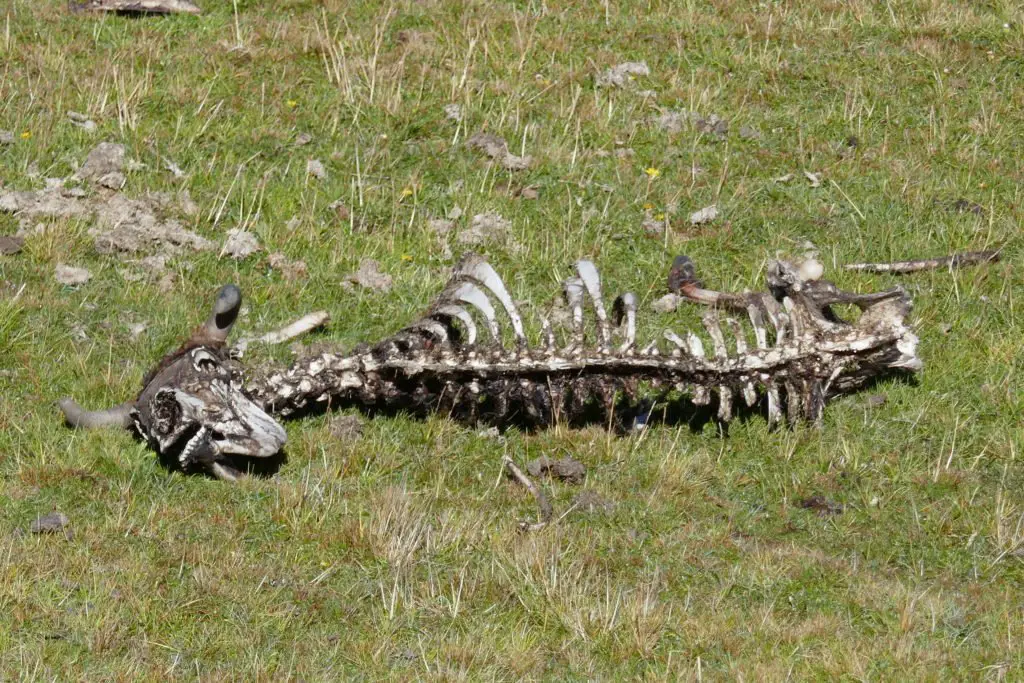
453, 359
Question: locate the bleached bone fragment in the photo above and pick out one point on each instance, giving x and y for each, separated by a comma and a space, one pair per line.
651, 349
749, 394
725, 398
573, 288
592, 282
469, 293
679, 342
625, 312
547, 334
481, 271
463, 316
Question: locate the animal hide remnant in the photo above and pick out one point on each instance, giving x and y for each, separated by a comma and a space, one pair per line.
462, 359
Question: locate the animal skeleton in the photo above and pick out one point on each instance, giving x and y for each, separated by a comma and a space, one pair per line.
200, 409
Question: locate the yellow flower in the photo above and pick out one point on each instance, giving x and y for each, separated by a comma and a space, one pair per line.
648, 206
407, 192
660, 217
407, 258
292, 103
652, 172
26, 135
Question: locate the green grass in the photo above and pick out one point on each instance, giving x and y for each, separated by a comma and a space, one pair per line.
398, 554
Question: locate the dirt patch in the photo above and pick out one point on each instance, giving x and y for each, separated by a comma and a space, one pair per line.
71, 276
289, 269
822, 506
484, 228
104, 159
240, 244
346, 427
591, 502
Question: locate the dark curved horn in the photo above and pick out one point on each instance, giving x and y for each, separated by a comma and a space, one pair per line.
79, 418
225, 312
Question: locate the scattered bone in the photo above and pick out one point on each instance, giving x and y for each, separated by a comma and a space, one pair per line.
811, 269
240, 244
71, 276
546, 511
52, 523
485, 227
315, 168
82, 121
967, 258
347, 427
785, 178
10, 244
622, 75
290, 270
306, 323
303, 139
705, 215
135, 6
6, 137
369, 276
565, 469
453, 112
666, 304
813, 178
496, 148
105, 158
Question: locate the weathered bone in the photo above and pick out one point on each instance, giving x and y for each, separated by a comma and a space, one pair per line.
188, 406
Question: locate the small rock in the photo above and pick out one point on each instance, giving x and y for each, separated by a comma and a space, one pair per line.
712, 125
813, 178
876, 400
240, 244
453, 112
112, 181
10, 244
964, 206
71, 276
565, 469
82, 121
340, 210
6, 137
315, 168
105, 158
370, 276
622, 75
496, 148
303, 139
135, 330
666, 304
652, 226
347, 427
821, 505
528, 192
705, 215
51, 523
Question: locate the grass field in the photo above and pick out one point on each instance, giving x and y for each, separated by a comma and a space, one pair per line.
397, 554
